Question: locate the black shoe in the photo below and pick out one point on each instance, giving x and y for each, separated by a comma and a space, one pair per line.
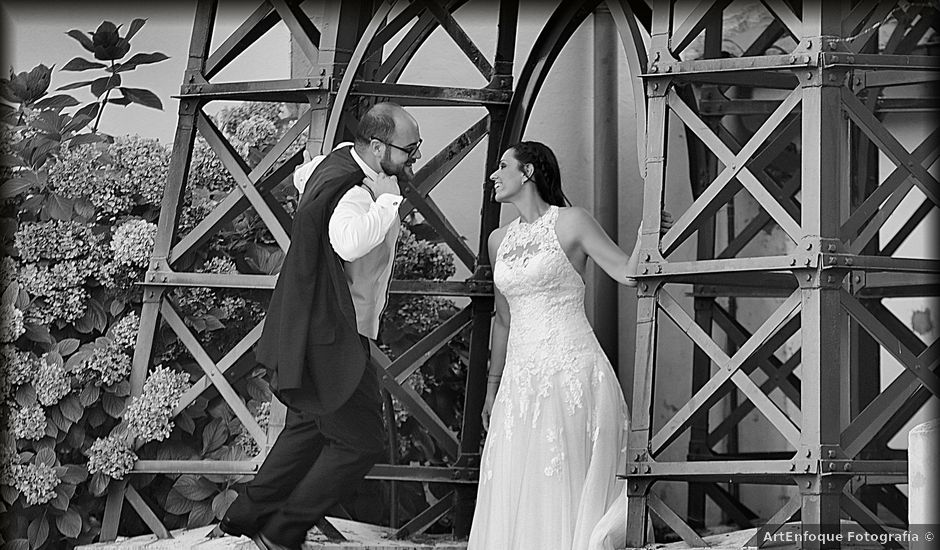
226, 526
264, 543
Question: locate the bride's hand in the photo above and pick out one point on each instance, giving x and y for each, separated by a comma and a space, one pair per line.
487, 410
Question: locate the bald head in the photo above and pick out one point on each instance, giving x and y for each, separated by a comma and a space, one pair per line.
388, 139
381, 122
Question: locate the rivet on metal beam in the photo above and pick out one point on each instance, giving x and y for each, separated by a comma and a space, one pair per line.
643, 287
831, 453
809, 453
655, 86
809, 75
849, 261
659, 269
858, 278
636, 457
809, 484
831, 247
646, 270
633, 470
807, 262
634, 486
647, 469
648, 257
847, 467
792, 261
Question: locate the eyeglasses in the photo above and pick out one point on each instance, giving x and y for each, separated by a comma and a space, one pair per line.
411, 150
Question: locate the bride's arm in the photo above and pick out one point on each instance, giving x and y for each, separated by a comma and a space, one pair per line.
596, 244
500, 335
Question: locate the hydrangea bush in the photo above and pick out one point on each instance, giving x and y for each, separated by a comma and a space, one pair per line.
78, 215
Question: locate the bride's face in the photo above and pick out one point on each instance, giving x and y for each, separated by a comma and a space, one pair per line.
508, 178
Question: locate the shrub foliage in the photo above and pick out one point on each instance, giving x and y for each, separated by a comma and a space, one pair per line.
78, 214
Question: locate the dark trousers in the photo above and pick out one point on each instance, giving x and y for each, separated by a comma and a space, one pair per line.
316, 461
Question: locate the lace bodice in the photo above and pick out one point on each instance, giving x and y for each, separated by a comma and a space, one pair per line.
544, 292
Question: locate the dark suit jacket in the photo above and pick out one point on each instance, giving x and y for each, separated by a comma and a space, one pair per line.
310, 337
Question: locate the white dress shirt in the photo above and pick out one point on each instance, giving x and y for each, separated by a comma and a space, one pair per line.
363, 232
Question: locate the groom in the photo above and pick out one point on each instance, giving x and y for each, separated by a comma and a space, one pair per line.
326, 307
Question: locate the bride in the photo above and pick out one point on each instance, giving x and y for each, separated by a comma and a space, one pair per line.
554, 411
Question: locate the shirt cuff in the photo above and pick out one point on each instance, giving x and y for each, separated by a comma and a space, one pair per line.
388, 200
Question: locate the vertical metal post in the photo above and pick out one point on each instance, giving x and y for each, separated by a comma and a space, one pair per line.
166, 228
606, 98
822, 166
646, 326
471, 429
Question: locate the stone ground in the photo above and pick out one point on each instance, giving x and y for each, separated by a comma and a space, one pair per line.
361, 536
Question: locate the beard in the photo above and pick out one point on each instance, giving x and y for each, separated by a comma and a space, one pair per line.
402, 171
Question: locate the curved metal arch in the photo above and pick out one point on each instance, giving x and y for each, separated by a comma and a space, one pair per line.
559, 28
410, 45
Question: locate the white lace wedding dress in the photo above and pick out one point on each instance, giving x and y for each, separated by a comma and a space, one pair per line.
557, 435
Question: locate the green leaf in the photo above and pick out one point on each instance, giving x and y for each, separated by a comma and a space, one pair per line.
26, 395
56, 102
214, 436
58, 207
63, 494
177, 504
75, 86
38, 333
90, 394
74, 474
70, 523
90, 110
77, 123
222, 501
194, 488
200, 515
9, 493
83, 139
76, 436
37, 532
82, 64
54, 414
105, 83
13, 187
142, 97
117, 306
136, 24
122, 101
46, 457
71, 408
83, 39
112, 405
141, 59
98, 484
67, 346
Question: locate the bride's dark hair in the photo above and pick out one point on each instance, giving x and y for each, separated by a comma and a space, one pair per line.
546, 175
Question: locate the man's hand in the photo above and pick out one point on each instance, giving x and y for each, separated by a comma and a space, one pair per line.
488, 408
383, 184
665, 222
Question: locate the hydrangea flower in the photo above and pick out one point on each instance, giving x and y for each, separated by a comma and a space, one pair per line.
53, 240
83, 172
111, 456
245, 440
132, 243
19, 367
36, 481
59, 291
141, 165
255, 132
124, 332
11, 323
107, 365
51, 383
148, 415
8, 271
29, 423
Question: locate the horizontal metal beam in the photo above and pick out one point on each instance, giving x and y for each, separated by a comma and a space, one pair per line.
432, 95
393, 472
294, 90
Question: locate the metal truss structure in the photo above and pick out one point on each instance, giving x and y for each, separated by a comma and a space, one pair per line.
829, 88
825, 197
